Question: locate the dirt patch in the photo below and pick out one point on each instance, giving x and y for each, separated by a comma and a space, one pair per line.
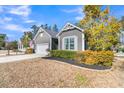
51, 73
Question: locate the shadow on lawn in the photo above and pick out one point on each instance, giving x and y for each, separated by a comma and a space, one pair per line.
73, 62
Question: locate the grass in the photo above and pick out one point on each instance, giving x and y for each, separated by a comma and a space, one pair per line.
80, 79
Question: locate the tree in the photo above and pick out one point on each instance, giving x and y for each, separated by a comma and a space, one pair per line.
55, 28
2, 40
49, 28
92, 11
34, 30
101, 29
42, 25
45, 26
12, 45
26, 38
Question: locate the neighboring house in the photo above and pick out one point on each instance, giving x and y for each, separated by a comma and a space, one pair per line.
70, 37
20, 46
122, 38
45, 40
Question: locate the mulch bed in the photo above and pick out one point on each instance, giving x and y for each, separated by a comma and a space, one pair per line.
73, 62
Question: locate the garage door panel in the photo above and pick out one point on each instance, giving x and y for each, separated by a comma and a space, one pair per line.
42, 48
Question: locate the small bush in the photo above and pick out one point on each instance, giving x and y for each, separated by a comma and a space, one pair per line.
95, 57
63, 54
121, 49
29, 51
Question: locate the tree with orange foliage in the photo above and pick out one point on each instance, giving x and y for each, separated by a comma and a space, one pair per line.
100, 28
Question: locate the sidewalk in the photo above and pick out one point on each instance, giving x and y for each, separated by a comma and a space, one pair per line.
6, 59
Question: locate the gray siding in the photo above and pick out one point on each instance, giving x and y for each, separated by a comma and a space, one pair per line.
44, 39
71, 33
121, 37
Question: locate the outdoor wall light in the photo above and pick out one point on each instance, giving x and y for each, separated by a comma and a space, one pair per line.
41, 34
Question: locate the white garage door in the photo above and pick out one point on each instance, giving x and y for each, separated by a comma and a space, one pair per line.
42, 48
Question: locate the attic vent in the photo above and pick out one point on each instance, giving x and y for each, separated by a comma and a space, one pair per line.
68, 27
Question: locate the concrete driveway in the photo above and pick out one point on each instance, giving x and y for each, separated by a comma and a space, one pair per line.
6, 59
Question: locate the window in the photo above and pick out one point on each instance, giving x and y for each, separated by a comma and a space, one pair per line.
66, 43
72, 43
69, 43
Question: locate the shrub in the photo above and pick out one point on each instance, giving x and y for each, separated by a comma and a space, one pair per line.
89, 57
121, 49
63, 54
95, 57
29, 51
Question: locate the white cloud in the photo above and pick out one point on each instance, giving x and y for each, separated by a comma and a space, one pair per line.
5, 20
78, 17
29, 21
21, 10
10, 35
76, 10
1, 9
15, 27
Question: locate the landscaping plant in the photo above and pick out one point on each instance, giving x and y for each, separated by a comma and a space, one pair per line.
63, 54
89, 57
29, 51
104, 58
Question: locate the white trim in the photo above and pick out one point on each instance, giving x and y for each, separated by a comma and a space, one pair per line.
75, 42
50, 43
58, 42
42, 44
83, 42
66, 25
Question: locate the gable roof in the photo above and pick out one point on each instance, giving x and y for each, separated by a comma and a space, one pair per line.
51, 33
69, 26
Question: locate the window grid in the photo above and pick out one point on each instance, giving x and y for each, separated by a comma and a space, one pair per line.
69, 43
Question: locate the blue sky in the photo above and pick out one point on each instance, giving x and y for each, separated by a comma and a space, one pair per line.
14, 20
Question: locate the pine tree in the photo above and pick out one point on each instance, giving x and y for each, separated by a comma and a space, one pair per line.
49, 28
55, 28
34, 30
45, 26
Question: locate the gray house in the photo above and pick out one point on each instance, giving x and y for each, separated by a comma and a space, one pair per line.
70, 37
45, 40
122, 38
